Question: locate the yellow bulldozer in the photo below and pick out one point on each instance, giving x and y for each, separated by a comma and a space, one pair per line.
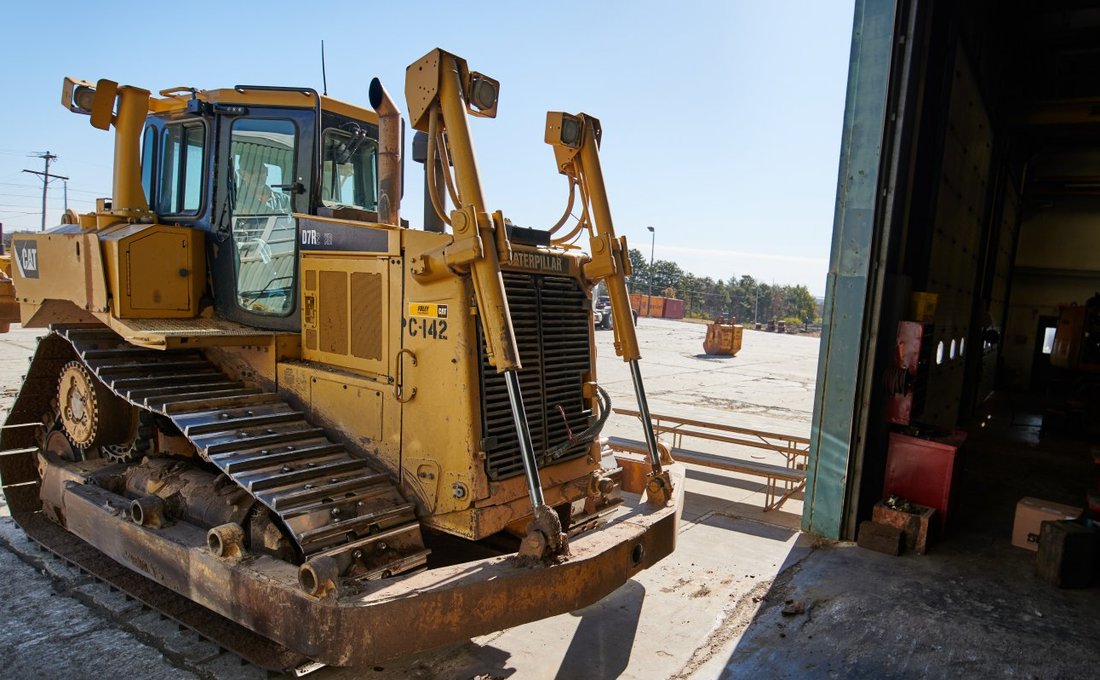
262, 390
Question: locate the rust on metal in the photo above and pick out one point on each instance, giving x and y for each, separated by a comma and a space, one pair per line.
436, 607
723, 337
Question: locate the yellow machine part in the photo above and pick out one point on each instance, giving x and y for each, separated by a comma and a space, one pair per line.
129, 271
9, 307
392, 362
154, 271
723, 338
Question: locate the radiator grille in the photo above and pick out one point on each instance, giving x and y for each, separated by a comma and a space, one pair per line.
551, 320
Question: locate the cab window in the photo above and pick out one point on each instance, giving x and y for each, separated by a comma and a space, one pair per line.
349, 169
181, 169
262, 181
148, 156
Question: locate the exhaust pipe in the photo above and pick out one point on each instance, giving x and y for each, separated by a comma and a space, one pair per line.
389, 154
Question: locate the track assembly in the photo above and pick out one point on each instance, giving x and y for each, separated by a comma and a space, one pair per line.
336, 508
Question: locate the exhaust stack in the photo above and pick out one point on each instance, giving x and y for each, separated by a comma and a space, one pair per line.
389, 154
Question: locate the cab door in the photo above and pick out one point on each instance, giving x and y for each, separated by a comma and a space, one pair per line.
264, 166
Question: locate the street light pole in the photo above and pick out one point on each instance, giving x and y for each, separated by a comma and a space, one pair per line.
649, 298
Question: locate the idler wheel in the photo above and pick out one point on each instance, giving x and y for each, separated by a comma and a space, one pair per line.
90, 413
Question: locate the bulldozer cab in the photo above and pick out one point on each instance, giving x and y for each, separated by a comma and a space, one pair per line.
240, 172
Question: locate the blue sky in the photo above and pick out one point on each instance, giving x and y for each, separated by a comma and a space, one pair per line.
722, 120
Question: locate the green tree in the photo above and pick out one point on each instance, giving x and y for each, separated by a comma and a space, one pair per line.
800, 303
638, 280
720, 300
762, 306
743, 297
665, 275
689, 290
777, 302
747, 292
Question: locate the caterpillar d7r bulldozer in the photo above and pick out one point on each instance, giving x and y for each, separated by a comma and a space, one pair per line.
263, 391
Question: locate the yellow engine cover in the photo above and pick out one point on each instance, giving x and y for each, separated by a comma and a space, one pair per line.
128, 271
154, 270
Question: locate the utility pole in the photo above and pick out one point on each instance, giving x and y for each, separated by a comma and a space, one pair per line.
46, 177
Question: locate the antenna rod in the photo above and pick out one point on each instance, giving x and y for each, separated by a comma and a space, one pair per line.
324, 76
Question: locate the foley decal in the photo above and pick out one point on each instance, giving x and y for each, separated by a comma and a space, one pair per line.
428, 309
427, 320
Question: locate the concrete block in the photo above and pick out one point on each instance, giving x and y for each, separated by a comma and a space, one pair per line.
880, 538
914, 525
1067, 554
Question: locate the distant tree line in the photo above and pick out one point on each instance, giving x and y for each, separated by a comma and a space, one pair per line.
704, 297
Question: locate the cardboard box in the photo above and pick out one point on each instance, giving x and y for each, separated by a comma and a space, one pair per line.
914, 525
1030, 515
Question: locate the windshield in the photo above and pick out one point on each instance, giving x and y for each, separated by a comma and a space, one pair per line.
349, 170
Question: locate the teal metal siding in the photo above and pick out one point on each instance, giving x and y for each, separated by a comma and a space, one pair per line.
841, 366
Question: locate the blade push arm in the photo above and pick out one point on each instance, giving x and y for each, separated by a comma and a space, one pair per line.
440, 91
576, 140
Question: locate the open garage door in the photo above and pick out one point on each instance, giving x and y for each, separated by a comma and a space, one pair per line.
968, 195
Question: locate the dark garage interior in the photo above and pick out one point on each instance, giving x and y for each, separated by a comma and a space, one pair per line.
960, 360
966, 260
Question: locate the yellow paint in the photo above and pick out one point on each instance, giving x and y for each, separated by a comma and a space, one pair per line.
428, 309
154, 271
406, 394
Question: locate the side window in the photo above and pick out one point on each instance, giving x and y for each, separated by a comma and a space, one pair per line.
349, 170
181, 169
192, 164
261, 169
148, 159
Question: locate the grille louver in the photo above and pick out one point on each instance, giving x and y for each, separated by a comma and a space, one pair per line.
551, 322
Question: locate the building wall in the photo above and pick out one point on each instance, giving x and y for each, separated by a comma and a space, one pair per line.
1057, 264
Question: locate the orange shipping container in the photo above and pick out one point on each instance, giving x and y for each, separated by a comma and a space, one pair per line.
647, 306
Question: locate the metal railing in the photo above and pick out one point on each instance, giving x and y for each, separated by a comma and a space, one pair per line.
793, 448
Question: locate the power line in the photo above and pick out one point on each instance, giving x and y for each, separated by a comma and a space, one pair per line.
98, 194
46, 177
